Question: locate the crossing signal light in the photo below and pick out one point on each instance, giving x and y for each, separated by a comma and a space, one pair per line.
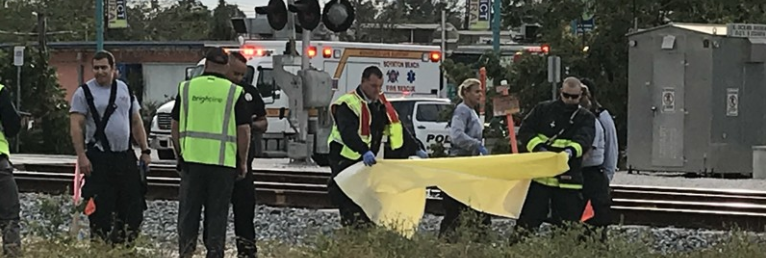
338, 15
276, 13
545, 48
308, 13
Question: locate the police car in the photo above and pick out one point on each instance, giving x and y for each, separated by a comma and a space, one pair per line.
425, 118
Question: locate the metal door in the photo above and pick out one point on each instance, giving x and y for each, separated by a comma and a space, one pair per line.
668, 105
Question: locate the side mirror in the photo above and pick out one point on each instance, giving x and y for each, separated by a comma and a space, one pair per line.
189, 72
282, 112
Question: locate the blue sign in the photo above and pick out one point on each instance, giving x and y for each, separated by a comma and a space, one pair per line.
484, 10
581, 26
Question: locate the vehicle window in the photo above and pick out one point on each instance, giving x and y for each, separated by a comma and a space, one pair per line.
403, 110
266, 84
197, 71
432, 113
249, 75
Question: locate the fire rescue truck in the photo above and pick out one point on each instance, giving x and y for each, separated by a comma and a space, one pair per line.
411, 80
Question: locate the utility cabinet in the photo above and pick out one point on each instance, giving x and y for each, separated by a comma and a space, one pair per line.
696, 97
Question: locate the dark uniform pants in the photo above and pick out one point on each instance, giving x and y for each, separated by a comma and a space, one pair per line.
209, 186
350, 213
563, 204
596, 189
9, 210
115, 186
243, 204
455, 213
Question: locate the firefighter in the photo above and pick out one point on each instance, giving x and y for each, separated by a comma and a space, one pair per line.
210, 129
361, 118
599, 164
10, 208
107, 113
466, 130
559, 126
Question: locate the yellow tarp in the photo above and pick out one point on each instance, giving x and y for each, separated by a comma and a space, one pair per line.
393, 192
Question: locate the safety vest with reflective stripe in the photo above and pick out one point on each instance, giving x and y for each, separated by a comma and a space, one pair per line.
558, 144
4, 147
356, 103
208, 129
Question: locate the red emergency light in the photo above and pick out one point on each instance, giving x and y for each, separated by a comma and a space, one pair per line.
436, 56
545, 48
327, 52
312, 51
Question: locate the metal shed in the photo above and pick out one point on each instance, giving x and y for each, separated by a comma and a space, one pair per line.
696, 97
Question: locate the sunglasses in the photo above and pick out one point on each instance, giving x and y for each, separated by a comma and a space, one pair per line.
570, 96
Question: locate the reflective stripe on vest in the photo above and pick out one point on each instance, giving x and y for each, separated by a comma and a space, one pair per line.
558, 143
554, 182
201, 135
356, 103
4, 146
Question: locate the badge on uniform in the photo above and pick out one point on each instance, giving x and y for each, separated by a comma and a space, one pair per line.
248, 97
553, 123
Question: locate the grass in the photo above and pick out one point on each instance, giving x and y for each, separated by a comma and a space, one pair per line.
51, 239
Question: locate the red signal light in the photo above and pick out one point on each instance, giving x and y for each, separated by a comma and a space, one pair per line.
436, 56
327, 52
545, 48
312, 51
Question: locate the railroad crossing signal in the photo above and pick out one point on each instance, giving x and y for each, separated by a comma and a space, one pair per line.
308, 13
337, 15
276, 13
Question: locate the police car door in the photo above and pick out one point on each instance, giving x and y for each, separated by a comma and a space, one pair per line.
430, 123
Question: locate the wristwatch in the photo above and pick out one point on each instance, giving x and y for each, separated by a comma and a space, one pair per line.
147, 151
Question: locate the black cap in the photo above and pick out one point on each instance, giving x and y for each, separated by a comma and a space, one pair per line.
217, 55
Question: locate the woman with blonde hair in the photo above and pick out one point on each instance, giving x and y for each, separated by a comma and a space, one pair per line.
466, 140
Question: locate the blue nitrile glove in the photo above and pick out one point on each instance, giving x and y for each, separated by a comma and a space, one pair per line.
569, 152
422, 154
368, 158
483, 150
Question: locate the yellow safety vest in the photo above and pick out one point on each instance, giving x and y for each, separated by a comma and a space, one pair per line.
356, 103
208, 129
4, 147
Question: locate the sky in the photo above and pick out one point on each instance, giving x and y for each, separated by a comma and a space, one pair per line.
247, 6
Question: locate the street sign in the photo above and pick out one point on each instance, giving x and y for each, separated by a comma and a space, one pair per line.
554, 69
581, 26
746, 30
18, 55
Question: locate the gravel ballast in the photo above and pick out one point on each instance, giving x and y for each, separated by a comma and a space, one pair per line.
298, 226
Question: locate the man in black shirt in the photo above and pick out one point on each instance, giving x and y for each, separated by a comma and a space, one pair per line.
243, 197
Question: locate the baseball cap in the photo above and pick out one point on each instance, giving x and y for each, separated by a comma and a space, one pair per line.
217, 55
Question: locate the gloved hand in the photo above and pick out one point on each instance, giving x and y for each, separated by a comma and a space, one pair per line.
483, 151
422, 154
369, 158
569, 152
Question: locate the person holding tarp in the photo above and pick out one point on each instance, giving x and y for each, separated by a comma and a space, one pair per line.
466, 134
556, 126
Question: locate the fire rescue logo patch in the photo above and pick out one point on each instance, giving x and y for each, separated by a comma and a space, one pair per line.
393, 76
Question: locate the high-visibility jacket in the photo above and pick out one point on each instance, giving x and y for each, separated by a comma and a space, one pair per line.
207, 125
553, 127
4, 147
358, 105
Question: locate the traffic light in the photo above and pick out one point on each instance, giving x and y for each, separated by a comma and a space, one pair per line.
308, 13
338, 15
275, 12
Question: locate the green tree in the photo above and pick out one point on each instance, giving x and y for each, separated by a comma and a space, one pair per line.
221, 28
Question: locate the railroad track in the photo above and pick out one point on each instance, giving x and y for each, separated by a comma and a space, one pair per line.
632, 205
